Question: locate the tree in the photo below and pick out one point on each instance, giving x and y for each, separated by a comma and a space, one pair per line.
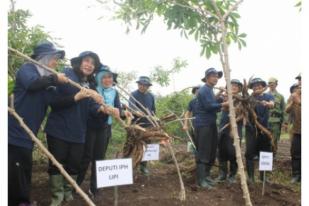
214, 24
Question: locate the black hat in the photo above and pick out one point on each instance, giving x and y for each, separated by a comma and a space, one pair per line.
212, 71
255, 81
76, 61
293, 87
105, 68
144, 80
298, 77
46, 48
194, 89
236, 81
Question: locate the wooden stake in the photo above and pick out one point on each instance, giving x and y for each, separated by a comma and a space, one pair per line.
51, 157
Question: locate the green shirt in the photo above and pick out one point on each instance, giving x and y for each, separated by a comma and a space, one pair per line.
277, 113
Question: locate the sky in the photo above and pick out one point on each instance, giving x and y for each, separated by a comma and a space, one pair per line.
273, 49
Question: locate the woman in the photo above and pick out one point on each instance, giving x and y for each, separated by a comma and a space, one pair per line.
31, 100
66, 124
99, 129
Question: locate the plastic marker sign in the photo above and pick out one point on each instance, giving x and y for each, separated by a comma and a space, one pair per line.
114, 172
266, 161
152, 152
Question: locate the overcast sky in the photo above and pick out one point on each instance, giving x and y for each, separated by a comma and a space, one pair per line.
273, 41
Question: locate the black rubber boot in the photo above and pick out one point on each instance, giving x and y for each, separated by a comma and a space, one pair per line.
250, 171
222, 172
207, 175
144, 169
296, 177
233, 172
200, 176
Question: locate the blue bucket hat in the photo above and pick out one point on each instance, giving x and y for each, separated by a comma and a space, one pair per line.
46, 48
104, 69
76, 61
144, 80
212, 71
293, 87
255, 81
236, 81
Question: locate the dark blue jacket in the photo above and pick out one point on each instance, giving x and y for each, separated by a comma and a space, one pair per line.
69, 123
192, 107
207, 107
225, 119
148, 101
31, 104
262, 112
100, 121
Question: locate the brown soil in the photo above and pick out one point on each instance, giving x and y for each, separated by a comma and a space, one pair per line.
162, 186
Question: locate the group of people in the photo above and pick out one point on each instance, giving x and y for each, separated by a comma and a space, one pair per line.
269, 108
78, 125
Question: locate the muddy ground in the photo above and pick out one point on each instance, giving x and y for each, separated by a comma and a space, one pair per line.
162, 186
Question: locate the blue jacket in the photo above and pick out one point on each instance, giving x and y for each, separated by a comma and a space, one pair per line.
69, 123
148, 101
225, 119
207, 107
192, 107
262, 112
30, 104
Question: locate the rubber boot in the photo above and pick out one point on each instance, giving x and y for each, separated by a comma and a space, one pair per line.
207, 175
143, 168
200, 176
295, 171
57, 190
68, 189
233, 172
250, 171
222, 172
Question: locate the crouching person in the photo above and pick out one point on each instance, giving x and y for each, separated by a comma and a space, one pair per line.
99, 129
31, 92
66, 124
206, 132
226, 142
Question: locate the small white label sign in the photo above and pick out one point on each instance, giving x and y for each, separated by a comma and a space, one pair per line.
266, 161
114, 172
152, 152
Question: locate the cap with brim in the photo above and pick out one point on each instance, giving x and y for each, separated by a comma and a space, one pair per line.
298, 77
293, 87
272, 80
47, 48
257, 81
76, 61
212, 71
144, 80
236, 81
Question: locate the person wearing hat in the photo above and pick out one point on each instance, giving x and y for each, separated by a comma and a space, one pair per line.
147, 99
33, 85
191, 111
205, 127
226, 142
294, 108
99, 129
256, 140
67, 123
276, 114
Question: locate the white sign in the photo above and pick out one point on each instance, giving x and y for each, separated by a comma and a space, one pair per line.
152, 152
114, 172
266, 161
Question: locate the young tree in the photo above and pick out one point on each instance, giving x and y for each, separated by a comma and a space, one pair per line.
214, 24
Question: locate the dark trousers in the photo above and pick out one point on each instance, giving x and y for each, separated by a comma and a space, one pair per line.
296, 154
256, 142
206, 144
95, 149
68, 154
19, 175
226, 148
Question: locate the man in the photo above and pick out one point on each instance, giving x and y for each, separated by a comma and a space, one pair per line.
256, 140
226, 142
205, 127
144, 97
276, 114
294, 108
191, 112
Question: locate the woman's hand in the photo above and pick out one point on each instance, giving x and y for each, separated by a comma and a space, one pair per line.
82, 94
61, 78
